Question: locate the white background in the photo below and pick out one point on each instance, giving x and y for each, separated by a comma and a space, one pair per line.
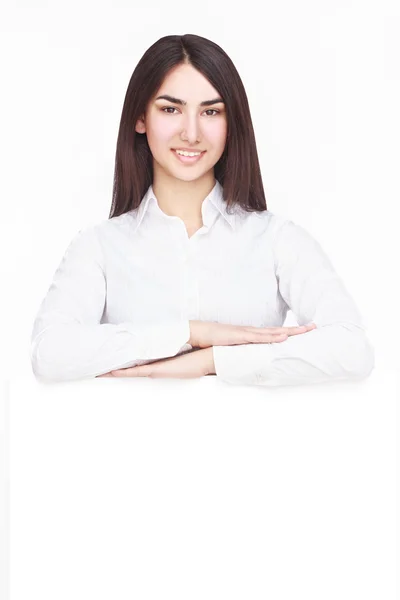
323, 83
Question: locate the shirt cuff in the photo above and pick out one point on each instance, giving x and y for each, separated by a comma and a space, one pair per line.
157, 341
243, 363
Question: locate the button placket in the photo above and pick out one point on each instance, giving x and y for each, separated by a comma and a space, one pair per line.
192, 283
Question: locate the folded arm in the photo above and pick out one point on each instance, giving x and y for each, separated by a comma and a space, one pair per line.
69, 342
311, 288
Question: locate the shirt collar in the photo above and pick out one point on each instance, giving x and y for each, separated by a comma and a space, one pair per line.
213, 205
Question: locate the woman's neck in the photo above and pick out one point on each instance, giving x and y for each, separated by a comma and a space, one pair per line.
183, 199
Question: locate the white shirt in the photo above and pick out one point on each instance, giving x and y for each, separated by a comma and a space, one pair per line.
127, 287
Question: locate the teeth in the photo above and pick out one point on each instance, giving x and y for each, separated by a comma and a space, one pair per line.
187, 153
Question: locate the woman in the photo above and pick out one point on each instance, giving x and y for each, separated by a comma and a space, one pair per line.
191, 275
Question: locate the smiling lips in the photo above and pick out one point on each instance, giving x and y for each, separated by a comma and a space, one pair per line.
187, 159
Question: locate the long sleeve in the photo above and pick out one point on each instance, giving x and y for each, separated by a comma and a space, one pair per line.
69, 342
338, 349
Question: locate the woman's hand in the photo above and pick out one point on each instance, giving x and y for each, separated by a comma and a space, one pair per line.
204, 334
197, 363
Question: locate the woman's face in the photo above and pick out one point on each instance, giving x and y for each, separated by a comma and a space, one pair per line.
171, 125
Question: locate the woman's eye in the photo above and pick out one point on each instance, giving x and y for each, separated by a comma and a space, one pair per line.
167, 108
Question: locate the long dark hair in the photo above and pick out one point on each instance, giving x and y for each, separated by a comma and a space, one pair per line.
238, 169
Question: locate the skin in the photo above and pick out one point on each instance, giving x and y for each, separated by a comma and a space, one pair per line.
185, 366
181, 188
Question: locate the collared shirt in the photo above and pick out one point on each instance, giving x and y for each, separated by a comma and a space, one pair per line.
127, 287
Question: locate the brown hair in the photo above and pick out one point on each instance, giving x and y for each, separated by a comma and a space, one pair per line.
238, 169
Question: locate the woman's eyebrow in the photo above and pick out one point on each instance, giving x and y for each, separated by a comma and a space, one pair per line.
183, 102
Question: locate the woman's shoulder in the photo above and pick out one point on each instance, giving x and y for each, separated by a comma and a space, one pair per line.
282, 230
279, 221
267, 220
96, 235
110, 227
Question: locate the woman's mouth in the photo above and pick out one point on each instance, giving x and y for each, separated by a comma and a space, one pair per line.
188, 159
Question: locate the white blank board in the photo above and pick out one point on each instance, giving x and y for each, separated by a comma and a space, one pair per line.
196, 489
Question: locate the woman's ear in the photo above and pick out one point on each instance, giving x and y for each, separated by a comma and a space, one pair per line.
140, 125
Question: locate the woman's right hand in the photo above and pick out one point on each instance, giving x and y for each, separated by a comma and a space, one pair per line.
204, 334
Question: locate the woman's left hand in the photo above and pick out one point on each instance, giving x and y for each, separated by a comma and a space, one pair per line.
193, 364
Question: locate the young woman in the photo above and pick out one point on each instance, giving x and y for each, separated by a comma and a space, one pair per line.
191, 274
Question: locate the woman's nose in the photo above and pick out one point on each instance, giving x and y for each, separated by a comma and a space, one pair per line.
191, 131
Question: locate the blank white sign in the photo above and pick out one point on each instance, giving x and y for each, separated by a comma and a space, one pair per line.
197, 489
